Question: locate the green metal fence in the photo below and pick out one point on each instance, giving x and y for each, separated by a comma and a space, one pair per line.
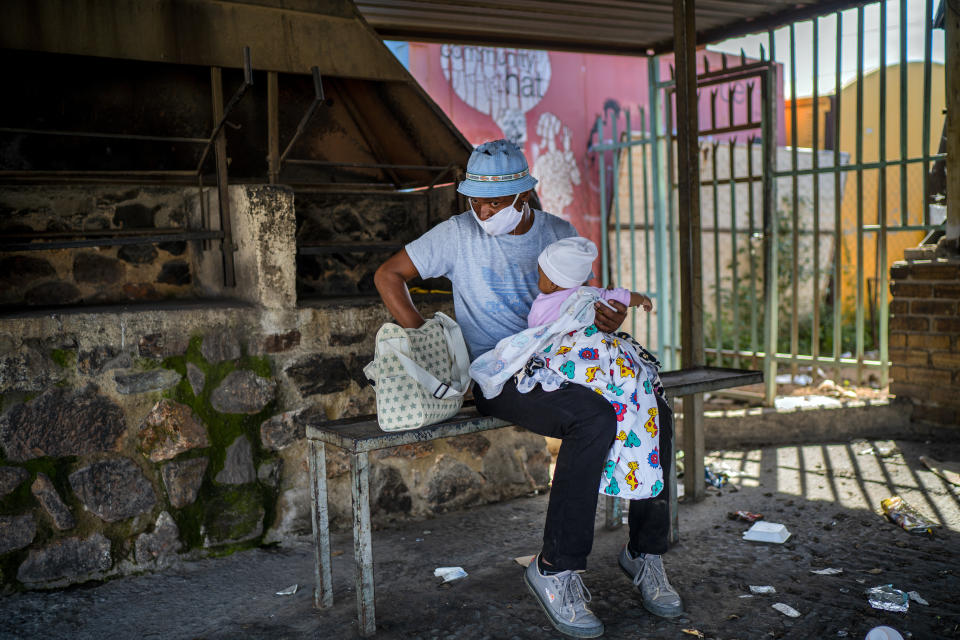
788, 228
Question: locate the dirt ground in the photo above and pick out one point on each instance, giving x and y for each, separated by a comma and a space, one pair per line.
828, 496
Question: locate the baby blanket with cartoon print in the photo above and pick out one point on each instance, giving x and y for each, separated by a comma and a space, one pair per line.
573, 350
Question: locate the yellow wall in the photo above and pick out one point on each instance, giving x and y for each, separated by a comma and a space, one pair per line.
896, 242
805, 121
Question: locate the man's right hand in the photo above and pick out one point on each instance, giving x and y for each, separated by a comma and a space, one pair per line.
391, 281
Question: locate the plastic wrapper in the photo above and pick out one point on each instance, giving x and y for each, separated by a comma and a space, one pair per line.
746, 516
714, 477
886, 598
908, 518
449, 573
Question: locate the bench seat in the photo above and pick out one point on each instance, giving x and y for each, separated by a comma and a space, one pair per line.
361, 435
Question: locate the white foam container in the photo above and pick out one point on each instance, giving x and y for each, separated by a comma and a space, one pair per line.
763, 531
884, 633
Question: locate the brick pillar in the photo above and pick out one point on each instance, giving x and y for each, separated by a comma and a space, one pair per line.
925, 338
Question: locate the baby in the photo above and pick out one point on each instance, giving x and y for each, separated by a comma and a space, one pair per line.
564, 346
564, 266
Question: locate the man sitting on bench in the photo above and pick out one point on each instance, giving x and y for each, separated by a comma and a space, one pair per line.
490, 254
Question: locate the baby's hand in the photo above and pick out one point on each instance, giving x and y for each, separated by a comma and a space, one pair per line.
646, 303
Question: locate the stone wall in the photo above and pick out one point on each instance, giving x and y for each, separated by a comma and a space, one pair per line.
98, 275
388, 219
131, 437
925, 338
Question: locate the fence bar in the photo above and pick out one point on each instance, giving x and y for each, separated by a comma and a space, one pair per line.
735, 289
660, 213
859, 166
646, 236
602, 160
633, 244
909, 227
815, 159
884, 300
751, 250
615, 188
674, 255
903, 112
795, 213
722, 73
718, 305
860, 301
770, 228
616, 146
925, 137
786, 358
837, 217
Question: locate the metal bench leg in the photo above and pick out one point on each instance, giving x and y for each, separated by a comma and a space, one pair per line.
323, 592
614, 513
362, 549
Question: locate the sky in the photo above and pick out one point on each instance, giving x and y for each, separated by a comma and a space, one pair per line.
827, 47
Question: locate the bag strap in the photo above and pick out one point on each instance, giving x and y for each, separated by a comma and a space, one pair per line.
372, 372
440, 390
458, 350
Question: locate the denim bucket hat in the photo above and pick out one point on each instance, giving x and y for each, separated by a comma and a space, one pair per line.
496, 169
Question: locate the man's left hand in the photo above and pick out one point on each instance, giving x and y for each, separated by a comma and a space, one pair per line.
608, 320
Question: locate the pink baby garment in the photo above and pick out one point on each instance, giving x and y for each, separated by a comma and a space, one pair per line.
546, 306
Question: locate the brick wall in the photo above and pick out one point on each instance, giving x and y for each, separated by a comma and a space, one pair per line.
925, 338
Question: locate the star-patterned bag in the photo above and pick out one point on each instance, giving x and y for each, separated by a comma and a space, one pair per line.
420, 375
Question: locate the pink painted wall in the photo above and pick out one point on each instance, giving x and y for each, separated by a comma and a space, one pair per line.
550, 102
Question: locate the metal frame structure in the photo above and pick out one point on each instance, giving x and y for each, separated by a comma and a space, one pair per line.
277, 161
42, 241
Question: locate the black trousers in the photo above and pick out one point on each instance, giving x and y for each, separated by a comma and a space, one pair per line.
586, 424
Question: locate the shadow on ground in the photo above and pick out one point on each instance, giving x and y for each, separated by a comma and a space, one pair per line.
828, 496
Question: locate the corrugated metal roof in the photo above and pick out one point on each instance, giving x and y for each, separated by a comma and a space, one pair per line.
634, 27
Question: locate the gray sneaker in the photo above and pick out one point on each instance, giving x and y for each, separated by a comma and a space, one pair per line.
564, 597
647, 573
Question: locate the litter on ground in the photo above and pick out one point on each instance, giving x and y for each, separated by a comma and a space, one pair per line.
449, 573
786, 609
762, 589
764, 531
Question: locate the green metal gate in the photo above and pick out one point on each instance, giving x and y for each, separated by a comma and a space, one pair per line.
775, 235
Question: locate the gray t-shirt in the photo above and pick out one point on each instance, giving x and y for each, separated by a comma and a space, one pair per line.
494, 277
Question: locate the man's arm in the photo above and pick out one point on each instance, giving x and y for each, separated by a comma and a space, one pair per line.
391, 281
608, 320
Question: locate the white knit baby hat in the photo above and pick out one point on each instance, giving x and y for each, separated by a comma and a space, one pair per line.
568, 262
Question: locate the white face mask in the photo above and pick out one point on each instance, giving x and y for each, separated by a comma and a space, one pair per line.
503, 221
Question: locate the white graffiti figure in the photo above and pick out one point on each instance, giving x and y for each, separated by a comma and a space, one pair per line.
502, 83
555, 168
